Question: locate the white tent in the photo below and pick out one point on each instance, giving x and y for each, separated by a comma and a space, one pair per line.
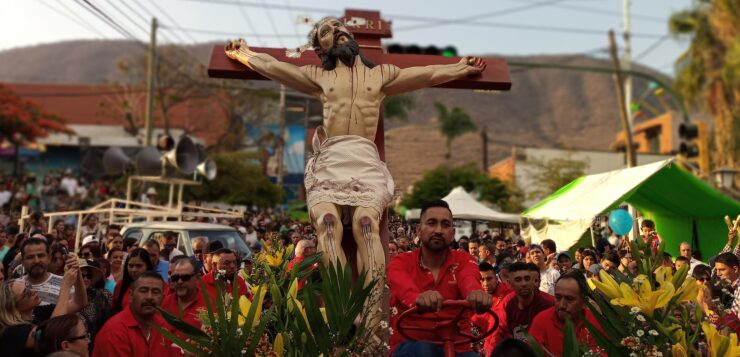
464, 206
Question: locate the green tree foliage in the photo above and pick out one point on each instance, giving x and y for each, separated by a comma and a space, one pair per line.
708, 73
238, 182
434, 185
453, 123
398, 107
550, 175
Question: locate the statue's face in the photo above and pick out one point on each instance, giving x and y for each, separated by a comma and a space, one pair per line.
331, 31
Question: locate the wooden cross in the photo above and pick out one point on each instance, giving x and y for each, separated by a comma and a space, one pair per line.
368, 36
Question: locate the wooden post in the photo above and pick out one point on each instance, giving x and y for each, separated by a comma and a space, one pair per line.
22, 220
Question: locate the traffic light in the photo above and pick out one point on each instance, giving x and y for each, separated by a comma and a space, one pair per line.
695, 144
448, 51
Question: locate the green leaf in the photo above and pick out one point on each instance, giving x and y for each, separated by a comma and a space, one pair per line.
536, 347
178, 341
182, 326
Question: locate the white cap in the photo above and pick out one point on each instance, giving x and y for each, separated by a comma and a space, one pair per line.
151, 191
242, 230
89, 239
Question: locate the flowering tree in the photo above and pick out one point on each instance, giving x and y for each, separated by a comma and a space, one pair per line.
23, 121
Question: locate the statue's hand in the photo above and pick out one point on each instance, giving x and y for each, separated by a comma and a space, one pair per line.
233, 48
475, 65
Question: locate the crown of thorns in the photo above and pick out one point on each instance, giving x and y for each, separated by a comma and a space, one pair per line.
312, 43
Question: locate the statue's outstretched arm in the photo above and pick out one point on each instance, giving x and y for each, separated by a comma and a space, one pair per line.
266, 65
413, 78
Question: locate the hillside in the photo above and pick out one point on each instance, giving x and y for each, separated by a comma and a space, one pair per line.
545, 108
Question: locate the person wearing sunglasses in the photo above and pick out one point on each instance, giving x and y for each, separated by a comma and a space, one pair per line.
99, 309
187, 297
18, 299
63, 333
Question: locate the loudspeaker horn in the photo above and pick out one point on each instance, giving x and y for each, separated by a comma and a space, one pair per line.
115, 161
207, 169
184, 156
149, 162
202, 154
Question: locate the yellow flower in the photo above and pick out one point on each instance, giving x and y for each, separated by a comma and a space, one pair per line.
678, 351
275, 259
688, 291
607, 285
323, 314
645, 298
277, 346
295, 304
245, 305
720, 345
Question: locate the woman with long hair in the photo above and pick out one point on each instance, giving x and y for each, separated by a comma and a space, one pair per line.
136, 264
63, 333
99, 309
17, 325
58, 258
13, 257
115, 258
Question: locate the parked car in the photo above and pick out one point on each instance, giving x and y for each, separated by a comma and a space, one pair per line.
187, 231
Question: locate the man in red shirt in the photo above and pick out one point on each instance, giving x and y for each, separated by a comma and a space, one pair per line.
499, 290
185, 284
571, 292
226, 264
303, 249
428, 276
129, 333
517, 310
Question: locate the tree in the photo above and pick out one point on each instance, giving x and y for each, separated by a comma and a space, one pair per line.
238, 182
708, 73
453, 124
549, 175
434, 185
22, 121
398, 107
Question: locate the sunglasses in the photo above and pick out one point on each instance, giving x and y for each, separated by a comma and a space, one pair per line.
703, 280
198, 251
86, 254
86, 276
183, 278
83, 337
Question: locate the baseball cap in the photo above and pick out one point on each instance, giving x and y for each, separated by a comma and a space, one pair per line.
89, 239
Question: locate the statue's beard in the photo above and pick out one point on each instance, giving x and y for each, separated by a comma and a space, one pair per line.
345, 52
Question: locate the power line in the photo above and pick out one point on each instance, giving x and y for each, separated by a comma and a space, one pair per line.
591, 10
652, 47
272, 23
151, 15
227, 33
143, 29
102, 16
570, 30
245, 15
507, 11
166, 15
78, 20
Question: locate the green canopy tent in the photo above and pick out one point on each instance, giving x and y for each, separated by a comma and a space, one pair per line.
683, 207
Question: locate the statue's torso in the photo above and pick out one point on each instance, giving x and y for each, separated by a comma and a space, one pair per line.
351, 97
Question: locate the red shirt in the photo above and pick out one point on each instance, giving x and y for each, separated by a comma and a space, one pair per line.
298, 260
513, 321
126, 294
189, 314
407, 278
548, 331
485, 321
210, 282
121, 336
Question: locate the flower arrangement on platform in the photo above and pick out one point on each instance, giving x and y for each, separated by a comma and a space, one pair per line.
283, 320
652, 314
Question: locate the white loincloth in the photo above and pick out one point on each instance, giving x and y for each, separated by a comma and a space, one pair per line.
346, 170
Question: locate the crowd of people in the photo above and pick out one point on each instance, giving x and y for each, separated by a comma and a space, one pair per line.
101, 300
532, 288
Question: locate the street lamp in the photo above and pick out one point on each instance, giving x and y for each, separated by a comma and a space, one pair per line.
725, 176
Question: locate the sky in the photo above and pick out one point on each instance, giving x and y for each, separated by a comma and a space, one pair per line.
503, 27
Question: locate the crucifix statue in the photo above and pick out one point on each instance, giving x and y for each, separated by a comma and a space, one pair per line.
347, 183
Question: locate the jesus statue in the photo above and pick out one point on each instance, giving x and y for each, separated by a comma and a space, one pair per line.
346, 182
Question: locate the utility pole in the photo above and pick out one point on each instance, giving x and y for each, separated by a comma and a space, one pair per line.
484, 138
627, 58
150, 77
280, 152
630, 149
